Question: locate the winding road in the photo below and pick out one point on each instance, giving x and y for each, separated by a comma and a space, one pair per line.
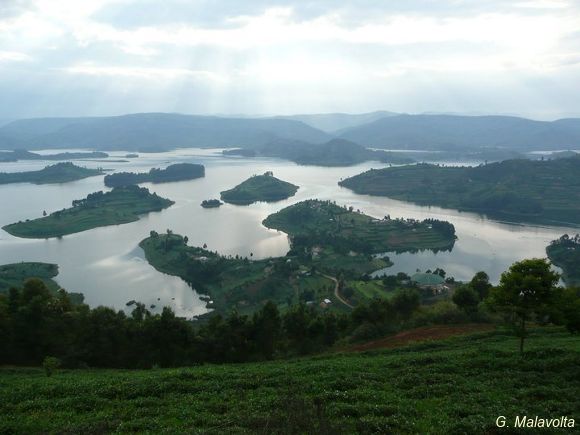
336, 293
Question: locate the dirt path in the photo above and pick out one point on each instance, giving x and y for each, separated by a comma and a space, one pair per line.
426, 333
336, 293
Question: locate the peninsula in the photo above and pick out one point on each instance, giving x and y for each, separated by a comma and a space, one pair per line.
521, 190
264, 187
119, 206
565, 253
59, 173
176, 172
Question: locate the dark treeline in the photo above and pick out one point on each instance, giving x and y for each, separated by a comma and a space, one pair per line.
35, 323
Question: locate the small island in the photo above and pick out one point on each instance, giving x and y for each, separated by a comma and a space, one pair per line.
119, 206
266, 188
16, 274
520, 190
131, 156
211, 203
565, 253
13, 156
176, 172
314, 223
59, 173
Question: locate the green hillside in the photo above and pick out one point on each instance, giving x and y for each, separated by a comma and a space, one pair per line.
264, 187
458, 385
521, 190
565, 253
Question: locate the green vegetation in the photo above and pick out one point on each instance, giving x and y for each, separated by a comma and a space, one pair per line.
565, 253
459, 385
312, 223
59, 173
537, 191
336, 152
211, 203
119, 206
176, 172
13, 156
265, 188
15, 275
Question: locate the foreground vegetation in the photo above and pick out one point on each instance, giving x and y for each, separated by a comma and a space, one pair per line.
59, 173
535, 191
175, 172
460, 385
119, 206
264, 187
565, 253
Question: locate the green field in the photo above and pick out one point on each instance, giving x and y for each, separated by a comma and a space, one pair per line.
59, 173
265, 188
119, 206
520, 190
14, 275
313, 222
458, 385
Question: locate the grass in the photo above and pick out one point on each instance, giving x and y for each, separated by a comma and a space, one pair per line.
458, 385
59, 173
259, 188
119, 206
519, 190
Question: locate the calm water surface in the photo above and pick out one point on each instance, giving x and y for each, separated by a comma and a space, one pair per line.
107, 265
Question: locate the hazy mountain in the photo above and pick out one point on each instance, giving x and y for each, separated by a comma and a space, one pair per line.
455, 132
154, 131
336, 122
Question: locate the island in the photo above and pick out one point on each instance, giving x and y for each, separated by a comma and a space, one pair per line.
565, 253
16, 274
176, 172
519, 190
59, 173
330, 246
266, 188
131, 156
211, 203
13, 156
336, 152
119, 206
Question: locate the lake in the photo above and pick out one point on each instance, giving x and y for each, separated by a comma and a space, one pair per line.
107, 266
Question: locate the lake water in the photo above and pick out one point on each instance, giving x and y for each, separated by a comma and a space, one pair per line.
107, 265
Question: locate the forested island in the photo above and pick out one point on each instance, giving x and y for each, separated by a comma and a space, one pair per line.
264, 187
211, 203
336, 152
526, 190
565, 253
13, 156
59, 173
15, 276
175, 172
120, 205
314, 223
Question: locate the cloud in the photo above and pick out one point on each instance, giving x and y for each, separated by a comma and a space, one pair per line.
12, 56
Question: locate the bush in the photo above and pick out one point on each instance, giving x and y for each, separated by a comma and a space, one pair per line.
50, 364
442, 312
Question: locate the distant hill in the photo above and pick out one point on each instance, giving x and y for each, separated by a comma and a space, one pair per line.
336, 122
448, 132
152, 132
520, 190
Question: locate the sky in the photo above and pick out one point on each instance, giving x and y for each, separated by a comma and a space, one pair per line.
257, 57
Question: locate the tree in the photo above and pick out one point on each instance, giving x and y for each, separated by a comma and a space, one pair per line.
466, 298
480, 283
526, 290
50, 364
405, 302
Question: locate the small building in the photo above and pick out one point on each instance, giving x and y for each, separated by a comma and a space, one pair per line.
429, 281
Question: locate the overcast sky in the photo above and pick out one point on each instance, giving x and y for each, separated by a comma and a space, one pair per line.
102, 57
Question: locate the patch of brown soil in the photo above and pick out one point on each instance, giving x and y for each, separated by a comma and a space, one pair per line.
438, 332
